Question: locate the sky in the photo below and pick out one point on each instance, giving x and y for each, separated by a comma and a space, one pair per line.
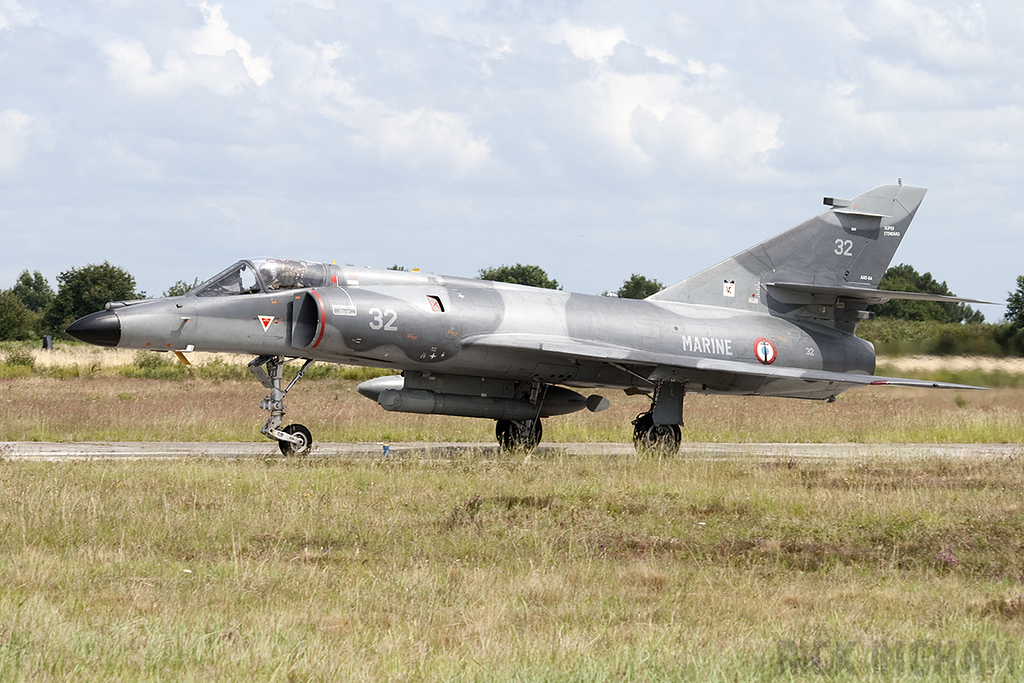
594, 139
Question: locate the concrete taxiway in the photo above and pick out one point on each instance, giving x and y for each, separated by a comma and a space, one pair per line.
267, 449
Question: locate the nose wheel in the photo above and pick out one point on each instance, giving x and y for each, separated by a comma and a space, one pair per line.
303, 444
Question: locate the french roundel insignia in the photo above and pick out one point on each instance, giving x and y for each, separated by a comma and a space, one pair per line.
765, 351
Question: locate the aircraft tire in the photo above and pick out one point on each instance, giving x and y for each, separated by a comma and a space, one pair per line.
289, 449
518, 435
655, 439
642, 423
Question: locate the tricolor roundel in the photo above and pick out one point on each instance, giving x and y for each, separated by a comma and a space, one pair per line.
765, 351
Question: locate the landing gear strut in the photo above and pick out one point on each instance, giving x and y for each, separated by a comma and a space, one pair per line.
518, 435
294, 439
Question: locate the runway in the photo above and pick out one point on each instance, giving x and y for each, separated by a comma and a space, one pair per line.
266, 449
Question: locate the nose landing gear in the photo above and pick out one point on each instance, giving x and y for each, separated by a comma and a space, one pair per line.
294, 439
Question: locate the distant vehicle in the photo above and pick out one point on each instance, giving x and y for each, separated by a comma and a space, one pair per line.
775, 320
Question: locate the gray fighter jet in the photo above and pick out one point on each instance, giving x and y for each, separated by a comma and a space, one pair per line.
775, 320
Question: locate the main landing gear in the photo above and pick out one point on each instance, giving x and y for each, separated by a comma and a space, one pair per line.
651, 438
518, 435
523, 435
658, 431
294, 439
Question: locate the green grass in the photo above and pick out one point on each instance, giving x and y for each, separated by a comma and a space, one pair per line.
586, 568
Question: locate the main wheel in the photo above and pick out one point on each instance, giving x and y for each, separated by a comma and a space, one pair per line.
663, 439
305, 444
518, 435
657, 439
642, 423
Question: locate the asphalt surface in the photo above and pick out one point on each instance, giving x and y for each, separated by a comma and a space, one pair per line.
265, 449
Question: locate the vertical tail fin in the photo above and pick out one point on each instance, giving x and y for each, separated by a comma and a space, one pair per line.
849, 245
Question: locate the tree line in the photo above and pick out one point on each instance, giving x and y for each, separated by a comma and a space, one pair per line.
31, 308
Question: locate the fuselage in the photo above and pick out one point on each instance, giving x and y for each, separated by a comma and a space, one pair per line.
419, 322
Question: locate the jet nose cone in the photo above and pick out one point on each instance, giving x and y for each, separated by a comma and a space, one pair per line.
102, 328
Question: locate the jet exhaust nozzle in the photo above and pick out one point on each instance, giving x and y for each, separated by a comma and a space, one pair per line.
102, 328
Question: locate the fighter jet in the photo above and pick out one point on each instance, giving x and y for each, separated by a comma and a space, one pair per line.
777, 319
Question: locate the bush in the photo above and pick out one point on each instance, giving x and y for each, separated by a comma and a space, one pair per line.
19, 356
219, 371
322, 371
904, 278
519, 274
86, 290
896, 337
153, 365
639, 287
17, 322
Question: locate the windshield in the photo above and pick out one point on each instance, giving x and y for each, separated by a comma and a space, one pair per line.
238, 279
250, 277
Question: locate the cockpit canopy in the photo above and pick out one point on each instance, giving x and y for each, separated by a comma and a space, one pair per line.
266, 275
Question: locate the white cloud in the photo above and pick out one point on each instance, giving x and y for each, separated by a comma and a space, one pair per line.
663, 56
422, 136
212, 57
943, 133
131, 65
610, 100
588, 43
906, 85
312, 102
671, 117
13, 14
314, 83
742, 138
15, 126
953, 39
112, 158
216, 39
427, 135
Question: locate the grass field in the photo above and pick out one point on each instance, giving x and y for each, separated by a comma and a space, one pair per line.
582, 569
115, 408
83, 393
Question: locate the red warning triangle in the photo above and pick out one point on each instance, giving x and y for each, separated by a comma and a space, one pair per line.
265, 320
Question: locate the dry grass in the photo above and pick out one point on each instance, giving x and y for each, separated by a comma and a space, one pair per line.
582, 569
931, 364
94, 357
126, 409
564, 569
86, 393
75, 354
